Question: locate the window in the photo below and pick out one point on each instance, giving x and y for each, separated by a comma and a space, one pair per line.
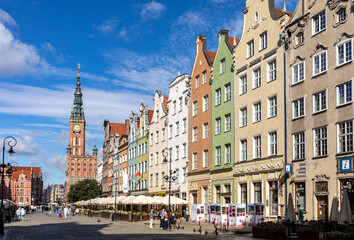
177, 175
298, 72
184, 125
344, 52
195, 161
341, 15
184, 172
157, 137
151, 159
243, 152
243, 84
163, 135
243, 188
157, 116
298, 108
227, 92
300, 38
217, 126
205, 103
163, 179
195, 134
344, 93
299, 146
170, 131
157, 180
222, 66
177, 152
272, 106
263, 39
319, 22
257, 192
257, 143
257, 112
250, 48
195, 108
300, 196
177, 128
218, 156
184, 149
205, 158
217, 97
156, 158
272, 136
227, 153
180, 101
174, 107
197, 81
227, 122
204, 77
273, 194
319, 101
151, 143
243, 117
345, 137
320, 142
170, 151
205, 130
272, 70
319, 63
72, 180
257, 78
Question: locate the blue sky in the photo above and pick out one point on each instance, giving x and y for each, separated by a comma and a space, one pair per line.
126, 49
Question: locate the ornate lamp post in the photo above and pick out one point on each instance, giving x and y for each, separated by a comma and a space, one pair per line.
11, 141
170, 177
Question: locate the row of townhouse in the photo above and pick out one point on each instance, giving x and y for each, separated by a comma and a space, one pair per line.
280, 95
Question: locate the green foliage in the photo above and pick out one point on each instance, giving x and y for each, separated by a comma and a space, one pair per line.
84, 190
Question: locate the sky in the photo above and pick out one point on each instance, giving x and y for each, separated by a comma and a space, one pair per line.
127, 50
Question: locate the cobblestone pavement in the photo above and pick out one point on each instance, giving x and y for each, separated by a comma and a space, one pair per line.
39, 226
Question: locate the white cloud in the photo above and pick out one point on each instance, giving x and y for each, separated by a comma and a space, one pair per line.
107, 26
6, 18
26, 145
152, 10
57, 161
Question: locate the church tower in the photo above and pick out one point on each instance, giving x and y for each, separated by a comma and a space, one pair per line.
79, 166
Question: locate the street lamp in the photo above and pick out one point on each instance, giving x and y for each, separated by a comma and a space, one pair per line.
11, 141
170, 177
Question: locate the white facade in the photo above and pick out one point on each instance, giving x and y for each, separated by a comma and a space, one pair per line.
158, 142
178, 134
99, 171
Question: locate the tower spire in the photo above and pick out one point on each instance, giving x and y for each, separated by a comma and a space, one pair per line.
284, 6
77, 112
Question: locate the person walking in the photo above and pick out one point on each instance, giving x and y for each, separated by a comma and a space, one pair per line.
187, 214
23, 214
66, 211
18, 214
162, 218
151, 218
60, 213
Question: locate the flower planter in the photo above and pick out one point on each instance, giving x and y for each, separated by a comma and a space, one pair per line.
277, 236
308, 236
259, 233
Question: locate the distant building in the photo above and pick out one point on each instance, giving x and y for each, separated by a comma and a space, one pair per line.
55, 193
24, 185
79, 166
99, 171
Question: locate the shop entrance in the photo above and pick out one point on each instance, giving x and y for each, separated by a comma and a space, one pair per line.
322, 207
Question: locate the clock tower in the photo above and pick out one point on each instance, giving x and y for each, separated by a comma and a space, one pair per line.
79, 166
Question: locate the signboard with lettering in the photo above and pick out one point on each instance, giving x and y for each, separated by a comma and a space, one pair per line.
345, 164
288, 168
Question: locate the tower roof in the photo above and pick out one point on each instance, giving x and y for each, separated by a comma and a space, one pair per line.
77, 112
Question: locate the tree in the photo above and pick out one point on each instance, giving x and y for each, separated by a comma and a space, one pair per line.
84, 190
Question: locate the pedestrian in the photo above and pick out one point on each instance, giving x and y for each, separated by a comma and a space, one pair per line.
66, 211
23, 214
162, 217
18, 214
187, 214
151, 218
60, 213
73, 210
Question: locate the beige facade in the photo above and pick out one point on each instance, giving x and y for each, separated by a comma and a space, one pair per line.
320, 105
259, 108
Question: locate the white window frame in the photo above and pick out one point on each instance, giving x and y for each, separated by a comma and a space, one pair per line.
243, 116
345, 52
195, 134
257, 112
184, 125
338, 14
217, 96
313, 21
347, 135
218, 126
322, 56
272, 146
320, 101
204, 77
205, 130
177, 152
272, 108
298, 75
257, 146
257, 77
263, 41
346, 85
177, 128
243, 84
299, 145
195, 108
227, 122
243, 150
180, 104
205, 103
205, 158
218, 156
272, 70
300, 104
197, 83
227, 92
250, 48
228, 153
184, 150
222, 66
195, 161
321, 141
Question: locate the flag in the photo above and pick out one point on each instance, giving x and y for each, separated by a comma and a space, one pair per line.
137, 174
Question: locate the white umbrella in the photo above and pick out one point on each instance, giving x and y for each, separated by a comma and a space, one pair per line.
345, 211
334, 210
156, 200
128, 200
176, 200
290, 212
141, 199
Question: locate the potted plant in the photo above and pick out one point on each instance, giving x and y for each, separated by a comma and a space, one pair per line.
308, 231
259, 231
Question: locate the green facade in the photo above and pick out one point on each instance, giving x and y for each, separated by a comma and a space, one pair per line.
223, 80
224, 192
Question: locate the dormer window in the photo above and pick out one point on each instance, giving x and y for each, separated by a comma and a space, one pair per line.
300, 38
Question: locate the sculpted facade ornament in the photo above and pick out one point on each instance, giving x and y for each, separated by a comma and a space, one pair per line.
257, 23
310, 3
332, 4
319, 46
296, 60
342, 36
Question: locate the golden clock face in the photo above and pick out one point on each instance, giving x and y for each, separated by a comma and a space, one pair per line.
77, 127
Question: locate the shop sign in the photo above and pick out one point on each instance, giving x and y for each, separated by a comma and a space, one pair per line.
345, 164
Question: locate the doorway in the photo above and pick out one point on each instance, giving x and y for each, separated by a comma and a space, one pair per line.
322, 208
